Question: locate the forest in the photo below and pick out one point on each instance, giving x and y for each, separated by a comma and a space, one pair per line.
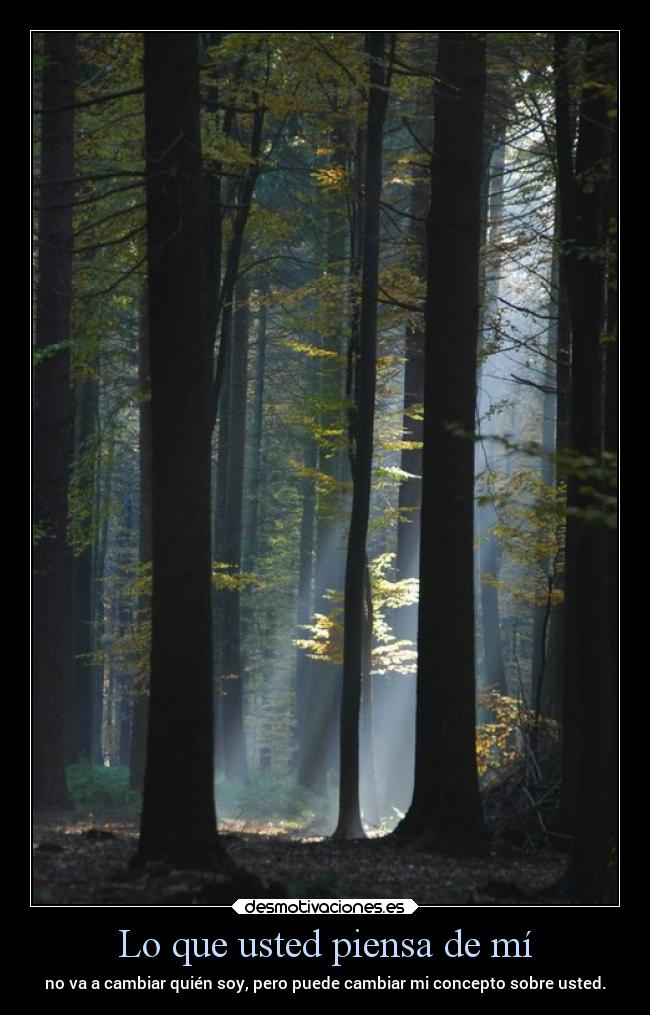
325, 436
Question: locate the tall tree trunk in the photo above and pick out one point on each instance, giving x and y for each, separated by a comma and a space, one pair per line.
265, 758
553, 684
362, 414
494, 673
124, 679
54, 428
255, 486
398, 698
213, 210
591, 679
86, 419
565, 138
368, 765
178, 822
218, 534
305, 601
103, 494
611, 442
141, 684
408, 526
232, 676
545, 692
446, 805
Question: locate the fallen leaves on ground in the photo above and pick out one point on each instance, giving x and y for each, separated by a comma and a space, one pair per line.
83, 860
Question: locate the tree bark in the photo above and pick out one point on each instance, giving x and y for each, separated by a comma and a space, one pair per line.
446, 808
553, 685
252, 526
398, 697
218, 534
178, 822
545, 675
590, 668
494, 673
84, 746
364, 364
368, 766
305, 601
232, 677
141, 684
611, 443
103, 494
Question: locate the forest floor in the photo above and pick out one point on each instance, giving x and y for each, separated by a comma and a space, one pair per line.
82, 858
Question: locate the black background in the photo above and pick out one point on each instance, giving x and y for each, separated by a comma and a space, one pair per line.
84, 943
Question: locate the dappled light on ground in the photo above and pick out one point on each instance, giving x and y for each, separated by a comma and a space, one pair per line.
82, 859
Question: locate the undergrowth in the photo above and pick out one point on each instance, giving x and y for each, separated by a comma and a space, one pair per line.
97, 787
269, 796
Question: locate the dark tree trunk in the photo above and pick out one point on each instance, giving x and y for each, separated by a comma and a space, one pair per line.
126, 678
589, 719
408, 526
218, 536
253, 509
553, 684
611, 443
213, 211
84, 746
232, 676
398, 697
103, 494
54, 429
494, 673
565, 137
545, 685
125, 720
541, 609
364, 362
266, 694
252, 533
141, 683
240, 195
446, 807
178, 815
368, 767
305, 600
81, 741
